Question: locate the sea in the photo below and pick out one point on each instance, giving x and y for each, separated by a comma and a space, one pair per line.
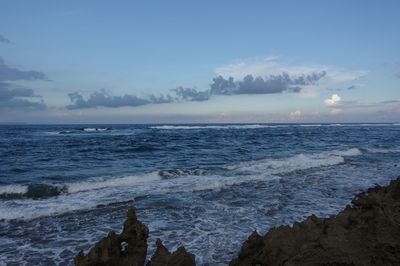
204, 186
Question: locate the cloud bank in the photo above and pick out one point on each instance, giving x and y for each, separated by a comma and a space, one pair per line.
16, 97
271, 84
282, 83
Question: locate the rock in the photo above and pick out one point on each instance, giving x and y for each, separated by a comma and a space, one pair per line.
366, 233
130, 249
162, 257
127, 249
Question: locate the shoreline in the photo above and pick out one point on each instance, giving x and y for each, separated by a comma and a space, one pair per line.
367, 232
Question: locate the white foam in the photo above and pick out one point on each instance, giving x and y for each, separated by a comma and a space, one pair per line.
112, 182
27, 209
297, 162
89, 194
349, 152
382, 150
93, 129
254, 126
310, 125
13, 189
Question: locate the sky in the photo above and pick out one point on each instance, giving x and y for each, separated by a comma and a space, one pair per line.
199, 61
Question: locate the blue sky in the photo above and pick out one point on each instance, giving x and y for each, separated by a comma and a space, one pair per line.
159, 61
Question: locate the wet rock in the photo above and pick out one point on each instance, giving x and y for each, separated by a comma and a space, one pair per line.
162, 257
128, 248
366, 233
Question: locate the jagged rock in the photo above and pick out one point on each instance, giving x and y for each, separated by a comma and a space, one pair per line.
127, 249
366, 233
162, 257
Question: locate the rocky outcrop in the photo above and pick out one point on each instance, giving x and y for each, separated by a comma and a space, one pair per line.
162, 257
130, 249
366, 233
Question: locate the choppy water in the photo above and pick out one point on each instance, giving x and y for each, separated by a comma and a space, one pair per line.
206, 187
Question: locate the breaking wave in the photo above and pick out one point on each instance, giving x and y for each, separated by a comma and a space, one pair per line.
28, 202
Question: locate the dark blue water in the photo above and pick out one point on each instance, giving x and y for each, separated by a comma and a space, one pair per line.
206, 187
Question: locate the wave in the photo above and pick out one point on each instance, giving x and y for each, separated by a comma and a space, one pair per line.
94, 129
383, 150
255, 126
296, 162
35, 191
168, 174
57, 199
95, 184
78, 131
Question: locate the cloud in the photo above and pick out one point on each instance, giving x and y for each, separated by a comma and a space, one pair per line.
8, 73
102, 98
219, 86
23, 104
295, 115
264, 67
4, 39
272, 66
15, 97
266, 76
334, 100
352, 87
7, 93
271, 84
360, 104
190, 94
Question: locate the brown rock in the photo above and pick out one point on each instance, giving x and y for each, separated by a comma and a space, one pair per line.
366, 233
162, 257
129, 248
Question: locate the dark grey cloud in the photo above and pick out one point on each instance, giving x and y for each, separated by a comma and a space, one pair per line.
102, 98
190, 94
17, 97
7, 92
23, 104
4, 39
8, 73
272, 84
161, 99
220, 86
352, 87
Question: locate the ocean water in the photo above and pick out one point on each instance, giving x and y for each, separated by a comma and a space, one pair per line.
206, 187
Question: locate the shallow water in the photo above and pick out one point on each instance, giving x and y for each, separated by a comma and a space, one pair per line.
206, 187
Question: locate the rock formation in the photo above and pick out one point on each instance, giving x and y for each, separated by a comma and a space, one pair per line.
130, 249
366, 233
162, 257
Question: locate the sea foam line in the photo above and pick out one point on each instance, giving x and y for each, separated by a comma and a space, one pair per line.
89, 194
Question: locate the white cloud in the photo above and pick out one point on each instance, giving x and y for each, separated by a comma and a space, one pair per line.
334, 100
295, 115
